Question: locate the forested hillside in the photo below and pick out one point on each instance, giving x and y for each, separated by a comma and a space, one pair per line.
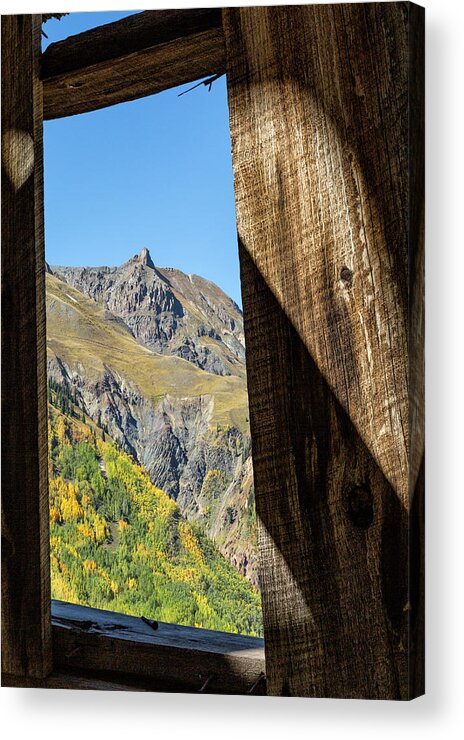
120, 543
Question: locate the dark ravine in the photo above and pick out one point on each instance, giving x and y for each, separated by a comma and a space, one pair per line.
194, 446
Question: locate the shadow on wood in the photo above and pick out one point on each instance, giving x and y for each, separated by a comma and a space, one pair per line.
341, 602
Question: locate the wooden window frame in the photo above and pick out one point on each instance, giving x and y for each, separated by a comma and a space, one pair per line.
67, 645
52, 644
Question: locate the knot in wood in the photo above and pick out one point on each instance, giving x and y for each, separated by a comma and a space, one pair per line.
346, 276
360, 506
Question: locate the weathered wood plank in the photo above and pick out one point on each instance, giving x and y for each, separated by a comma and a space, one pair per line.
131, 58
171, 658
26, 628
320, 125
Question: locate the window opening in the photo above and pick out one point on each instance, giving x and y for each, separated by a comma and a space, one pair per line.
151, 484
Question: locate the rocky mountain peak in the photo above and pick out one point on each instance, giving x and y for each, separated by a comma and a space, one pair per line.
144, 258
168, 311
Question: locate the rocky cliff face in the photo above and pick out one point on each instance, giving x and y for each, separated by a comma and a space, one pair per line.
188, 426
168, 311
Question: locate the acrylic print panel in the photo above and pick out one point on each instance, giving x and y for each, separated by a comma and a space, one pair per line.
326, 131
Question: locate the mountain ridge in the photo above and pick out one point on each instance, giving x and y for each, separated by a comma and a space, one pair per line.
168, 310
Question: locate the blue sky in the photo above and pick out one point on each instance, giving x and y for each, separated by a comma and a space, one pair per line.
154, 172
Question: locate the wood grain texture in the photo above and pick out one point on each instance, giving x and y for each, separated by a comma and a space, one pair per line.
321, 130
131, 58
26, 629
169, 658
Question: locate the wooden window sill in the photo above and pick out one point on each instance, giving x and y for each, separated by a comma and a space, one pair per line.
97, 649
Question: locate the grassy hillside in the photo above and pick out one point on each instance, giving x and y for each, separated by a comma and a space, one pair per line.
120, 543
85, 335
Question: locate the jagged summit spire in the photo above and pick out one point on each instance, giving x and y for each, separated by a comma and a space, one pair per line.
144, 258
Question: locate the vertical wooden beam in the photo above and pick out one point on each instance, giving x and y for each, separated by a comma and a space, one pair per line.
26, 622
326, 105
